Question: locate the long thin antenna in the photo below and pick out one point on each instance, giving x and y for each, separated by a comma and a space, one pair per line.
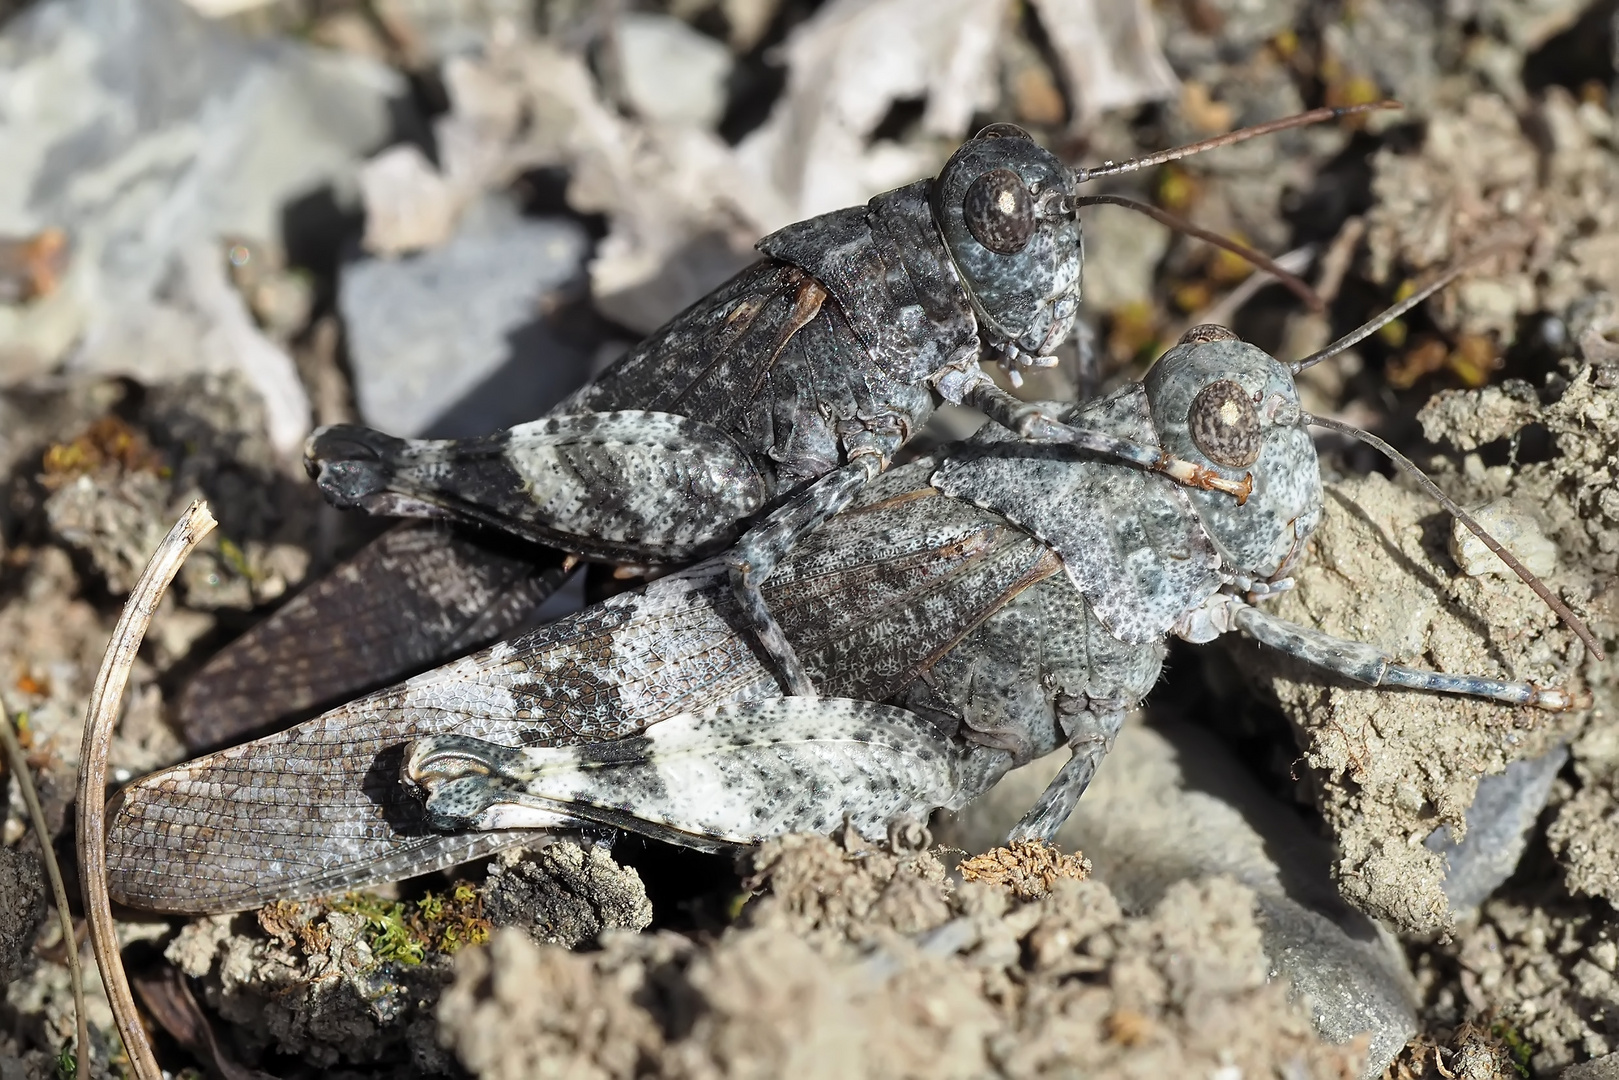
1361, 333
1314, 116
1574, 622
1262, 261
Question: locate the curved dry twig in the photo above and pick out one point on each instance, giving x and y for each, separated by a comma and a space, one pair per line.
101, 718
47, 852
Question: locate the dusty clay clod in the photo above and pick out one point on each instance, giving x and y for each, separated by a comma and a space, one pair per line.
1390, 765
932, 982
565, 894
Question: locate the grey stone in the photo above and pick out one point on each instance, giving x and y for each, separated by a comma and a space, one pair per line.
150, 134
1602, 1068
1498, 824
670, 72
1170, 803
454, 342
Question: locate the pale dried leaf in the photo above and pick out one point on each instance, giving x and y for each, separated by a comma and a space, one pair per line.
408, 205
682, 212
847, 65
1109, 53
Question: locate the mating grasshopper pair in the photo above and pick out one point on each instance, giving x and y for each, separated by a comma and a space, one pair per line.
961, 616
937, 594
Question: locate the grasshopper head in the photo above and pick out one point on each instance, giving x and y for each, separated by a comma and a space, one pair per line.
1220, 402
1002, 204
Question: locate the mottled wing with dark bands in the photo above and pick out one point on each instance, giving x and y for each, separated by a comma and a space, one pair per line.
319, 807
626, 486
418, 595
768, 358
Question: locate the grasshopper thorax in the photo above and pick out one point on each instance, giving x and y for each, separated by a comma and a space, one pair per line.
1219, 402
1003, 206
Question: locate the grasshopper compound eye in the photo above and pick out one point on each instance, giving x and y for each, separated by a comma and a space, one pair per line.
1225, 424
1002, 131
999, 211
1206, 332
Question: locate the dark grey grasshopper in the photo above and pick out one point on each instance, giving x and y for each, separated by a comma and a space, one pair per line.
936, 594
799, 380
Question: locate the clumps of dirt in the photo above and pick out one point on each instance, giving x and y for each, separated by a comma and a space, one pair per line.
1545, 961
1584, 834
1391, 766
1577, 492
845, 891
351, 980
51, 641
109, 496
1025, 868
22, 908
518, 1009
1470, 1051
115, 487
312, 980
1548, 177
565, 894
1547, 968
857, 962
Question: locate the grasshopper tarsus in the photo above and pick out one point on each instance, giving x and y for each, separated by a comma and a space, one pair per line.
1203, 478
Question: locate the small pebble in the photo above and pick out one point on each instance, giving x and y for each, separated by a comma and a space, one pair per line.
1516, 530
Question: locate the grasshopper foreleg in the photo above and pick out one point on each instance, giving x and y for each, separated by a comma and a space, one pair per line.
1364, 663
765, 544
1093, 727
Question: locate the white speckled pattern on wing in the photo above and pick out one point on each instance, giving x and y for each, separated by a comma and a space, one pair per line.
743, 773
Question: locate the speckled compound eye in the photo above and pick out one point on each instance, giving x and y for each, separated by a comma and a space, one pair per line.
1002, 131
1203, 333
1225, 425
999, 211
